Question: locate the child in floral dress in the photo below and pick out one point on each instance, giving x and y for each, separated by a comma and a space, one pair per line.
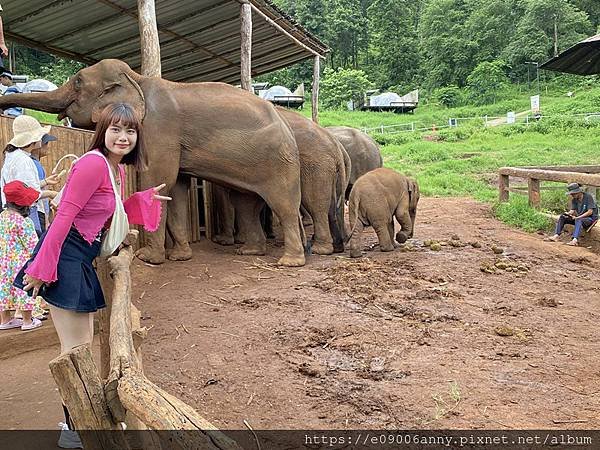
17, 242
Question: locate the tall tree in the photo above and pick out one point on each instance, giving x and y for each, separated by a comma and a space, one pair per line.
546, 25
445, 48
394, 42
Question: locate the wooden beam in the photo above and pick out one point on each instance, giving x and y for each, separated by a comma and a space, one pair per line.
315, 90
553, 175
246, 46
81, 390
149, 42
281, 30
49, 48
580, 169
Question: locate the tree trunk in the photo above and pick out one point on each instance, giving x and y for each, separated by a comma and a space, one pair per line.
150, 44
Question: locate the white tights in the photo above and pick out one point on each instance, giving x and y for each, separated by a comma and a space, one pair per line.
73, 328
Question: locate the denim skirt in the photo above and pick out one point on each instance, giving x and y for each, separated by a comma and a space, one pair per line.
77, 288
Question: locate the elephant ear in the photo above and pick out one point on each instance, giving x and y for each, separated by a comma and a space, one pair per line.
122, 89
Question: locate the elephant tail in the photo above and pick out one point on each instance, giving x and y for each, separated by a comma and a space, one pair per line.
353, 205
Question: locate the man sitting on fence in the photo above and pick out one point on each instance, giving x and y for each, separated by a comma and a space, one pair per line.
583, 213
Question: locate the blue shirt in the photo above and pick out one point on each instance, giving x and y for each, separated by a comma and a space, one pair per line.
587, 202
42, 176
14, 112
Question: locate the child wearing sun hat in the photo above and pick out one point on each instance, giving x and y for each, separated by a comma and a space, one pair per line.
17, 242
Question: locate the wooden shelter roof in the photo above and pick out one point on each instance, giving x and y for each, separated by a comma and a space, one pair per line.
200, 39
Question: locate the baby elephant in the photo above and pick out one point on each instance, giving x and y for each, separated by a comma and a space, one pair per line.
376, 198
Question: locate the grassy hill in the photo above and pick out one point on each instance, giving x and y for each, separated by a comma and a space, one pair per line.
464, 161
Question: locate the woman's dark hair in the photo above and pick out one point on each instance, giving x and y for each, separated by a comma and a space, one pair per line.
123, 114
23, 210
9, 148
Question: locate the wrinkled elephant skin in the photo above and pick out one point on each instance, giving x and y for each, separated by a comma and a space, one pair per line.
363, 151
209, 130
376, 198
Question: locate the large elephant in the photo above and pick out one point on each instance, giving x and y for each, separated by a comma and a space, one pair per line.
210, 130
376, 198
324, 172
361, 148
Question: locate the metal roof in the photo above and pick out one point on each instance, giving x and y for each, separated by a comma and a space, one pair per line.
199, 39
582, 59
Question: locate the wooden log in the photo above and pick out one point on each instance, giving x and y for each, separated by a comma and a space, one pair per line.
580, 169
150, 44
246, 46
552, 175
106, 282
122, 350
81, 390
315, 90
533, 190
161, 411
503, 188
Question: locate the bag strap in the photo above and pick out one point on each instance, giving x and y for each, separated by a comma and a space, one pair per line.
110, 173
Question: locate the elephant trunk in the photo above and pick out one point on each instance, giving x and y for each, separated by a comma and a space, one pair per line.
52, 102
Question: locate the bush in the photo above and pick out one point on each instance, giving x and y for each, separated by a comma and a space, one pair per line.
486, 80
449, 97
341, 86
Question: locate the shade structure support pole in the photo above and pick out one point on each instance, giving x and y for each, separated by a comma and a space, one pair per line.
246, 46
315, 89
150, 44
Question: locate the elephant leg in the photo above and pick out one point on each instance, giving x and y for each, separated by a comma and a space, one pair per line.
153, 251
406, 225
354, 244
225, 213
288, 213
266, 220
322, 243
383, 234
177, 221
391, 229
247, 211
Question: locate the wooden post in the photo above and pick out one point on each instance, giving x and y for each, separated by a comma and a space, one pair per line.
81, 390
315, 89
503, 185
150, 44
246, 46
533, 189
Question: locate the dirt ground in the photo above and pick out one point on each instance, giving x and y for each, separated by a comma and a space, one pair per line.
462, 337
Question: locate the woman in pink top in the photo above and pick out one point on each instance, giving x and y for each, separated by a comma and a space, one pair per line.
60, 269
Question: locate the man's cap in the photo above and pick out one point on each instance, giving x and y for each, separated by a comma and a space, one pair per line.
573, 188
48, 138
6, 73
20, 193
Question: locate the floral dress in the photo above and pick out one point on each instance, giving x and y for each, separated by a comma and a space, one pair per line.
17, 241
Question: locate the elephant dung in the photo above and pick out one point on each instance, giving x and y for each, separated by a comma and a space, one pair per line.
497, 250
436, 246
504, 330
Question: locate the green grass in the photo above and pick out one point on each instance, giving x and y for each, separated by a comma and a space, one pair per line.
44, 117
464, 161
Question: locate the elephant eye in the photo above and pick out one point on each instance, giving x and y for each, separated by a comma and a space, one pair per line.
77, 83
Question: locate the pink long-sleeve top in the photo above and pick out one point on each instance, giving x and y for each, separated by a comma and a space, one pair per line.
88, 202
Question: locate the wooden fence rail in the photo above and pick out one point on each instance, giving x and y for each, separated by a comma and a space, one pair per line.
584, 175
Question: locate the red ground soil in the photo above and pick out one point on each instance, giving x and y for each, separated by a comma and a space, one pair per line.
456, 338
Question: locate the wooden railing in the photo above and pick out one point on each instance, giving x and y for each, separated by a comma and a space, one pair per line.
588, 176
120, 394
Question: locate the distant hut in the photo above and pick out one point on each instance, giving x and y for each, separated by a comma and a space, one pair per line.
282, 96
390, 101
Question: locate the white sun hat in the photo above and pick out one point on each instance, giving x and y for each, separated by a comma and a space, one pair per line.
26, 130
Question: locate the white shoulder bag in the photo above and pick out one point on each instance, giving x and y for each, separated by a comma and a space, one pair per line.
119, 226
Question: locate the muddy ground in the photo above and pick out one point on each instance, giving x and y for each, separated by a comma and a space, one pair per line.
462, 337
